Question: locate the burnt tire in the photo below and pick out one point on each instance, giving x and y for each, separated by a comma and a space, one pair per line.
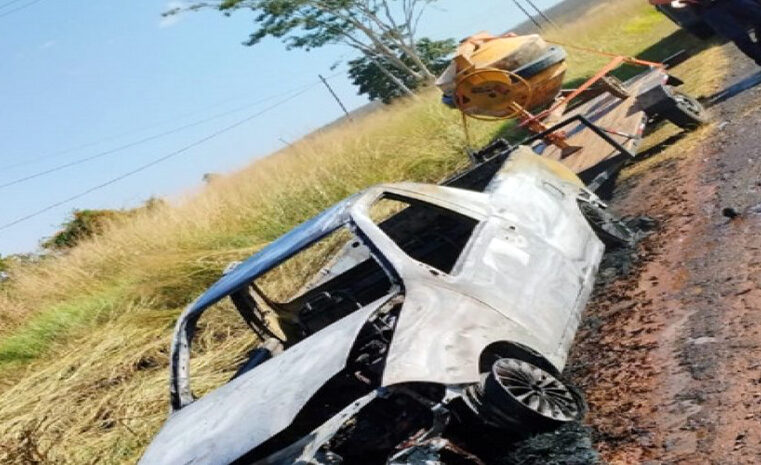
685, 112
612, 231
529, 399
551, 57
615, 87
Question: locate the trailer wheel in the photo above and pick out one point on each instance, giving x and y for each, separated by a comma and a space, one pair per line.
533, 399
685, 112
612, 231
615, 87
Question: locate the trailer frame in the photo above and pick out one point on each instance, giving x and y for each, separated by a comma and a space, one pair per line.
653, 97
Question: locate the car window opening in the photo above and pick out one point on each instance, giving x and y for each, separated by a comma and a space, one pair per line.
322, 284
427, 233
211, 367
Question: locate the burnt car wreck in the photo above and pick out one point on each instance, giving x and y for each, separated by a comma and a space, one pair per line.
437, 308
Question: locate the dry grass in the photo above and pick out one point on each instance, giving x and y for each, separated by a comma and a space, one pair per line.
642, 28
170, 254
84, 337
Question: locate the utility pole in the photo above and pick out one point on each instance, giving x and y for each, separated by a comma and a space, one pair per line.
525, 11
541, 13
340, 103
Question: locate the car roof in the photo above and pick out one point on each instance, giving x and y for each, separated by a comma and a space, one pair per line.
303, 236
276, 252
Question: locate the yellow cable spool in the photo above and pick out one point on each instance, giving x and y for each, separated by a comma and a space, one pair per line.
491, 94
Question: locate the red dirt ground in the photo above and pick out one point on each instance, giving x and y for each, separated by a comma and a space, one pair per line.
670, 354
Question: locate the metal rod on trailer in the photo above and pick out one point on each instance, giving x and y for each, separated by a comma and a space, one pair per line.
340, 103
583, 120
580, 90
617, 61
605, 175
619, 133
525, 11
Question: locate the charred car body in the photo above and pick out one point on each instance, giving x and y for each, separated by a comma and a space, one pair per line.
438, 306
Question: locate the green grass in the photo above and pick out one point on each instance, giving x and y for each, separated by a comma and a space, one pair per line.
37, 335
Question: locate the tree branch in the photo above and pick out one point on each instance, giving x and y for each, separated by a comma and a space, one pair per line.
325, 21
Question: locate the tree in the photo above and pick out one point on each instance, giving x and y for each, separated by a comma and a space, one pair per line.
85, 224
379, 29
209, 178
371, 75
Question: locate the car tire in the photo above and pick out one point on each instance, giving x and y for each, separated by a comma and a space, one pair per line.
685, 112
612, 231
551, 57
529, 399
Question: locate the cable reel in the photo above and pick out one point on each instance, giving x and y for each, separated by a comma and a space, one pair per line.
491, 94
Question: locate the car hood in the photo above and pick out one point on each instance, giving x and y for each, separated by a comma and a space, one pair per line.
242, 414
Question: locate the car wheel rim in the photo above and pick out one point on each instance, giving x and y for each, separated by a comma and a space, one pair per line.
536, 389
687, 104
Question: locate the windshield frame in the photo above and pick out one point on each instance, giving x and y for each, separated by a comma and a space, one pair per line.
277, 252
354, 212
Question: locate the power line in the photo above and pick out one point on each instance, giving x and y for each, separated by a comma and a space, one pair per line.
141, 128
530, 17
132, 144
92, 143
24, 6
157, 160
543, 14
9, 3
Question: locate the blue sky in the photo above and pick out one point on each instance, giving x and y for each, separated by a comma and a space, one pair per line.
83, 77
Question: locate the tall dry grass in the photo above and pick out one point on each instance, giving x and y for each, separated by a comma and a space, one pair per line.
84, 336
169, 254
83, 347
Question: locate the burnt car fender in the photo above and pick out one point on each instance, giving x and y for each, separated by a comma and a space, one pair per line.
232, 420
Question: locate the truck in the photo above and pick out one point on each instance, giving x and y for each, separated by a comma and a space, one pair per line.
687, 18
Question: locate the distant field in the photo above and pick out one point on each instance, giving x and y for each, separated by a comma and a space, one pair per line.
84, 336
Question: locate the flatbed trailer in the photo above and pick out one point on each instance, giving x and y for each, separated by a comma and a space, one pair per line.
607, 131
